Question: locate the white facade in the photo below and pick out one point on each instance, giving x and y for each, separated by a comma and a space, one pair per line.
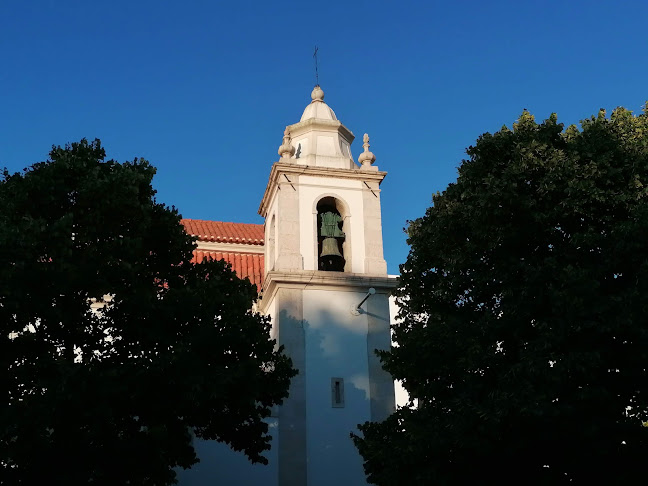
315, 313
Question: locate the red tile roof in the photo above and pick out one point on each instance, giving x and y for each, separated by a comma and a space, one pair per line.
217, 231
248, 265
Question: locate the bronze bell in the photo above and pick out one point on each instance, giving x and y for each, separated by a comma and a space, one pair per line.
330, 248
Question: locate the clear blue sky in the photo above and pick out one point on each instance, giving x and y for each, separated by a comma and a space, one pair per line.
204, 89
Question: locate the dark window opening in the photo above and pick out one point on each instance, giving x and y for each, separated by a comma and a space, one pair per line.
337, 392
330, 236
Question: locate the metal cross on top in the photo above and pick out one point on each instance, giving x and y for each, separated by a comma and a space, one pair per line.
316, 71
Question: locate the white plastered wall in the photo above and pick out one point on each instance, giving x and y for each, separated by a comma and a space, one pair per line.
336, 347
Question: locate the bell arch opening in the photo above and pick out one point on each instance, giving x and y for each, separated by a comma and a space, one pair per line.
333, 252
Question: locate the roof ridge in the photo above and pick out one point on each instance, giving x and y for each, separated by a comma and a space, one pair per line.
222, 222
224, 231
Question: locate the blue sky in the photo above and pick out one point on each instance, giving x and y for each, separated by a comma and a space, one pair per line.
204, 89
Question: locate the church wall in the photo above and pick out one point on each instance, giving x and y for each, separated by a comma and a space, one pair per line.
311, 189
336, 344
336, 347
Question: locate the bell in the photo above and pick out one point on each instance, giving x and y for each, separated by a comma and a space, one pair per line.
330, 248
331, 259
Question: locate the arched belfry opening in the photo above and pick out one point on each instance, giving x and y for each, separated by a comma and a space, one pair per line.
330, 235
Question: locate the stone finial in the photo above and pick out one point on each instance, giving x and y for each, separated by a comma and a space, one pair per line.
286, 150
366, 158
317, 94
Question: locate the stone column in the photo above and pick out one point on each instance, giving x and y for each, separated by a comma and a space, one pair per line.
289, 256
374, 261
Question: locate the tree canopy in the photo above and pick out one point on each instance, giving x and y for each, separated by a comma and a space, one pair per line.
115, 348
524, 304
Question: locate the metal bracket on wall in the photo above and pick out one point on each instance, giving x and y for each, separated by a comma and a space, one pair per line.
355, 309
290, 182
368, 187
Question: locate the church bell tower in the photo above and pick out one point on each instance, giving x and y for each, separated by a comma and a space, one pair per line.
327, 291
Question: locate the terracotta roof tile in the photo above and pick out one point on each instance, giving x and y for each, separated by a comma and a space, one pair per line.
248, 265
221, 232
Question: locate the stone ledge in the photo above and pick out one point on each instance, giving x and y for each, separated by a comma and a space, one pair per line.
286, 168
318, 279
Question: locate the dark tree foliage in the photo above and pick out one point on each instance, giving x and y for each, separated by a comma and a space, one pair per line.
524, 299
113, 397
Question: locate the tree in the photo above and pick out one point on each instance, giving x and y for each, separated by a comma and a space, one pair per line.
524, 306
113, 396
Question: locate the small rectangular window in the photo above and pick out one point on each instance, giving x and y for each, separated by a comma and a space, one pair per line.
337, 392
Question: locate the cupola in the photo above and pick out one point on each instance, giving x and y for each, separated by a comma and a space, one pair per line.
320, 139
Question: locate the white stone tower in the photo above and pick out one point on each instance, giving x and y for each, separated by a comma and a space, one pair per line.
319, 202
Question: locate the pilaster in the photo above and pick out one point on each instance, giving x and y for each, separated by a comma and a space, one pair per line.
292, 414
374, 261
288, 237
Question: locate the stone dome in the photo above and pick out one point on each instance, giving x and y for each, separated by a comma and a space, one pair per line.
317, 108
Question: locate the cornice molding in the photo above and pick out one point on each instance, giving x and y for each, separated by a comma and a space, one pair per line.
280, 168
298, 129
317, 279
